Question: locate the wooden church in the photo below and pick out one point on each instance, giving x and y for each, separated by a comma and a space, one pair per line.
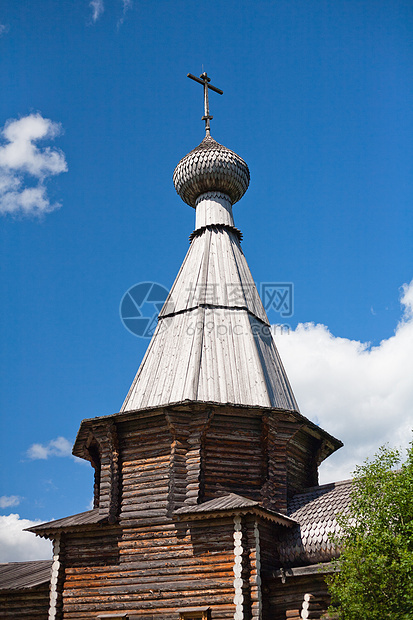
206, 497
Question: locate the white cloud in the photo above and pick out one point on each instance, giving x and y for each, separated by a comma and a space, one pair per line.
126, 4
97, 9
3, 29
56, 447
24, 167
360, 394
6, 501
19, 546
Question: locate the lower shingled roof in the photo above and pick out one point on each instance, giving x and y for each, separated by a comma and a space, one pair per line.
316, 512
83, 518
233, 503
20, 575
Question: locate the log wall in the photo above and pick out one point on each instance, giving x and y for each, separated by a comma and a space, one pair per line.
291, 460
153, 464
285, 599
145, 453
148, 563
29, 604
269, 534
302, 469
102, 450
234, 460
161, 568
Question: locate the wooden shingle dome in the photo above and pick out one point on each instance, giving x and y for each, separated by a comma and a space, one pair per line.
211, 167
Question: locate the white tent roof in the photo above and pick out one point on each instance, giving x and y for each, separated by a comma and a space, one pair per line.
213, 342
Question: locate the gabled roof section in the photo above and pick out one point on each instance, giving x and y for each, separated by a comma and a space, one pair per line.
22, 575
227, 502
232, 504
91, 517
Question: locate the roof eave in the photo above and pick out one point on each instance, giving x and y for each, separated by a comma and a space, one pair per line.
68, 524
50, 533
258, 511
321, 568
331, 443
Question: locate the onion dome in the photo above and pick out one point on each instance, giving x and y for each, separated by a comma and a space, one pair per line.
211, 167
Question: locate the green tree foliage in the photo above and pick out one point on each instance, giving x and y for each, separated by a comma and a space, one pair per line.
375, 578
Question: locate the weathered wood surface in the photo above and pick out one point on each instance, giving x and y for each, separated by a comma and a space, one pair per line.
233, 457
146, 468
151, 563
29, 604
292, 455
158, 569
307, 594
302, 462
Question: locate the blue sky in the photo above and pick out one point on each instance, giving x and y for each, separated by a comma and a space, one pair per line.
317, 100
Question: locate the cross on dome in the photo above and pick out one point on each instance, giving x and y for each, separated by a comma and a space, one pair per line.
204, 80
210, 167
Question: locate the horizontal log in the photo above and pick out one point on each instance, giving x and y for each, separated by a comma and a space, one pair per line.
146, 601
185, 565
138, 494
130, 505
166, 588
179, 572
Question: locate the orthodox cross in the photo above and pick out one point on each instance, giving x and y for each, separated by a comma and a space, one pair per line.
205, 81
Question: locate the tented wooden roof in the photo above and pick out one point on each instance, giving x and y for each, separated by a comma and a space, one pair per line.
213, 342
